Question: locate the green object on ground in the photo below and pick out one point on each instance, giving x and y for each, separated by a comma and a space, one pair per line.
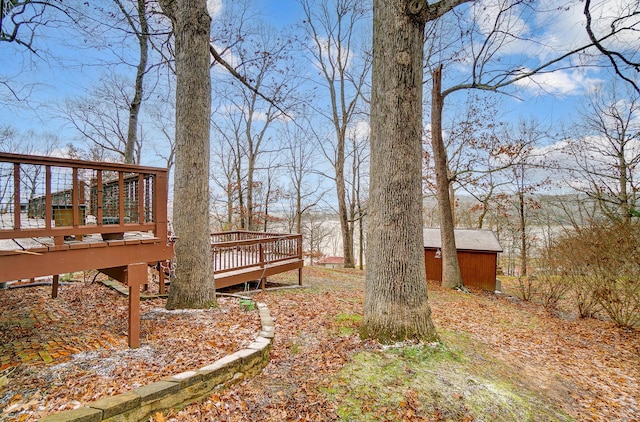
247, 304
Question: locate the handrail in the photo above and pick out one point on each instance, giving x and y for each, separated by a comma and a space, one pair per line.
235, 235
267, 237
74, 163
269, 249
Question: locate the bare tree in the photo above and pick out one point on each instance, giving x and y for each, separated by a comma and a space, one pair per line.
266, 61
29, 142
226, 175
344, 67
477, 157
451, 275
137, 25
607, 152
19, 20
305, 190
491, 30
229, 174
162, 112
101, 118
315, 233
359, 157
137, 22
526, 181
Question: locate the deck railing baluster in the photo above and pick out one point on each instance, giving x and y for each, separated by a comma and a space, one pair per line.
99, 198
48, 209
140, 198
16, 196
121, 204
75, 210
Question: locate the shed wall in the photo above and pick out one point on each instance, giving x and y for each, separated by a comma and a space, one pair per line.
478, 268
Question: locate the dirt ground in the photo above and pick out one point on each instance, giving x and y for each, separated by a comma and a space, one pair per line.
588, 368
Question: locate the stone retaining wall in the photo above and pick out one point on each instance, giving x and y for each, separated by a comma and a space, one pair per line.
182, 389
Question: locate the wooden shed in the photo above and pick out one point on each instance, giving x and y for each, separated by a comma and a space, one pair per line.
331, 262
477, 254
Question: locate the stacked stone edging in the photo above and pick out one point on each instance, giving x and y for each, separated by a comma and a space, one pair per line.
181, 389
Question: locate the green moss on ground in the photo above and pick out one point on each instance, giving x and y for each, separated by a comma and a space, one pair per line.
437, 381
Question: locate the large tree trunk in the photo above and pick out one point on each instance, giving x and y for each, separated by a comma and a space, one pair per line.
193, 286
451, 276
396, 306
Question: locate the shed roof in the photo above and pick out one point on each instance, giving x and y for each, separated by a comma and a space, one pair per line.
466, 239
331, 260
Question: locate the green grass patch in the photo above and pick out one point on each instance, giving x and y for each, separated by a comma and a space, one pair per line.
435, 380
347, 323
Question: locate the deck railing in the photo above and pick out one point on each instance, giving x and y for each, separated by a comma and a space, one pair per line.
54, 197
237, 250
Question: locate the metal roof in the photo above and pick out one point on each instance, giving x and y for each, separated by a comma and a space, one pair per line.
466, 239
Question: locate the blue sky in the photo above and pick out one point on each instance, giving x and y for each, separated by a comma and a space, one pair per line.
62, 72
67, 73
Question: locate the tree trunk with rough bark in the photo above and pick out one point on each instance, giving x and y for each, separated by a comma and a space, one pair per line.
193, 286
451, 276
396, 305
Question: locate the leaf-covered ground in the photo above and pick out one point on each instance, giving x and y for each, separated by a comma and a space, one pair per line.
501, 359
59, 354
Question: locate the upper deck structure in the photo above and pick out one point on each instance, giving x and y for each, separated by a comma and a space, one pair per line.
61, 216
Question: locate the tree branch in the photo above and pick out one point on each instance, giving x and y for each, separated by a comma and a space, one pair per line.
242, 79
424, 12
611, 55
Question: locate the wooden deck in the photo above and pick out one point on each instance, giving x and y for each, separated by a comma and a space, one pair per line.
241, 256
61, 216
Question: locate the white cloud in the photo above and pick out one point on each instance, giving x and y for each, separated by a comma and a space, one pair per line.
486, 13
214, 7
329, 54
360, 130
227, 56
545, 29
561, 82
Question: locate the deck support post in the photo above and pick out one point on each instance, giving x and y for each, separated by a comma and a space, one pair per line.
136, 276
161, 278
300, 276
54, 286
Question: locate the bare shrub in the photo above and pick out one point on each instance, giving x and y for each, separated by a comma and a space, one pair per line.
620, 299
602, 266
551, 289
583, 295
549, 286
526, 287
